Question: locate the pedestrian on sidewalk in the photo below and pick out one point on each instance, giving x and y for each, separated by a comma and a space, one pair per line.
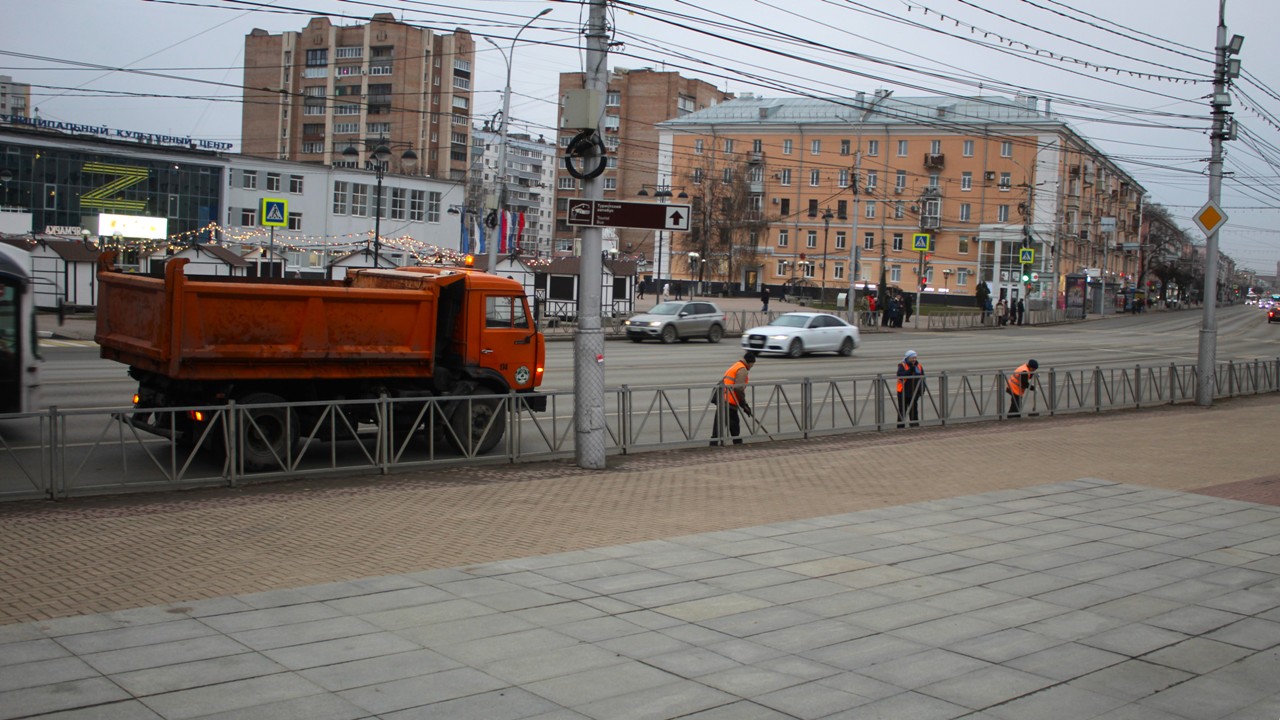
666, 291
764, 299
910, 388
1002, 313
1021, 309
731, 398
1019, 385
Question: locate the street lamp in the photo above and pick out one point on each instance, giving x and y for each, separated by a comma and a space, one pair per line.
946, 279
826, 233
506, 111
379, 155
662, 193
84, 236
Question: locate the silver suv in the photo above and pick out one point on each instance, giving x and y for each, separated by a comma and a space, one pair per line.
677, 320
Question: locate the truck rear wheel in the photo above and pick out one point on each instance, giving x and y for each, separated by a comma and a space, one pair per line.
478, 423
268, 434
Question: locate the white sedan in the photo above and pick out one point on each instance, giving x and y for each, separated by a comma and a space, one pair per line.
794, 334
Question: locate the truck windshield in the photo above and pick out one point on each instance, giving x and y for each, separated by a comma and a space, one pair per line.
505, 312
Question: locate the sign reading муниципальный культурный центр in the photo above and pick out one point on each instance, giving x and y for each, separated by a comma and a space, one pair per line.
104, 131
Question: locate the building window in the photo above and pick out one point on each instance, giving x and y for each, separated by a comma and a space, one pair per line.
843, 178
312, 73
784, 207
838, 271
786, 147
248, 217
727, 176
964, 212
895, 273
784, 238
318, 57
897, 242
684, 105
728, 145
757, 146
433, 206
871, 210
962, 277
873, 178
962, 247
346, 110
934, 179
314, 148
697, 176
417, 205
780, 270
841, 239
815, 178
968, 148
811, 239
273, 182
966, 181
613, 98
808, 269
1002, 213
845, 147
900, 181
313, 110
935, 147
898, 212
249, 179
460, 64
697, 146
611, 183
295, 184
340, 192
346, 128
1006, 181
565, 182
382, 128
398, 197
815, 147
869, 241
295, 221
902, 148
842, 209
173, 206
348, 70
813, 208
359, 200
873, 147
784, 177
461, 83
1006, 148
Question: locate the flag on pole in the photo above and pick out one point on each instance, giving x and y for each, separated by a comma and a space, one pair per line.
519, 233
465, 244
503, 228
480, 237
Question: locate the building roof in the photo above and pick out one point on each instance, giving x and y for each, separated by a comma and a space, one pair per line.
226, 255
882, 110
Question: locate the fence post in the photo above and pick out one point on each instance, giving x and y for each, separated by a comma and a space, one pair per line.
1137, 386
1052, 400
1097, 388
385, 442
806, 406
57, 483
879, 402
1231, 378
1173, 382
624, 418
943, 410
233, 444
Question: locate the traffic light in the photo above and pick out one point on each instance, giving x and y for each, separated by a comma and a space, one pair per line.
1026, 276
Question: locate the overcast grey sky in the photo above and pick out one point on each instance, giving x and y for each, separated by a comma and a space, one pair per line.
1117, 71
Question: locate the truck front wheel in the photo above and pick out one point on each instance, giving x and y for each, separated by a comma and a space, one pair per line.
478, 423
268, 434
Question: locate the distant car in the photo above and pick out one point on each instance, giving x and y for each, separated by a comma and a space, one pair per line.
677, 320
797, 333
1273, 315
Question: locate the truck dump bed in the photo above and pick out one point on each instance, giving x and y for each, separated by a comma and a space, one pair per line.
378, 323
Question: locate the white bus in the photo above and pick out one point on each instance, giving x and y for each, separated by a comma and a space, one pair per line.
19, 349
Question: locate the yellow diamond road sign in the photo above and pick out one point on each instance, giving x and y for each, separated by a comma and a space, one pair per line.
1210, 218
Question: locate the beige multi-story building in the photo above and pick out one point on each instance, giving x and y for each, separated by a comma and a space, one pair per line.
636, 101
15, 97
314, 95
791, 192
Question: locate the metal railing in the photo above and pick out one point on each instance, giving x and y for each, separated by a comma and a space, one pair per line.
63, 453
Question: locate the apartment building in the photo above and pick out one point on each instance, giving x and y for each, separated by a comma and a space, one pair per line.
636, 101
332, 94
827, 183
15, 97
530, 177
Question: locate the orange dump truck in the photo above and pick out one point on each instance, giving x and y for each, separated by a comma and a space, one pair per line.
417, 332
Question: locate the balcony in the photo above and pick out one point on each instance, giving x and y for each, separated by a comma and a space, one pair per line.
934, 161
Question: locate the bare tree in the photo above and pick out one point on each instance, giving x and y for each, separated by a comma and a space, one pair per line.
727, 220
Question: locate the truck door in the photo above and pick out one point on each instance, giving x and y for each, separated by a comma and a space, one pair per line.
509, 342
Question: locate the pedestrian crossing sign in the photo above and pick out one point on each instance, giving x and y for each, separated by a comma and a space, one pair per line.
1027, 256
275, 212
922, 242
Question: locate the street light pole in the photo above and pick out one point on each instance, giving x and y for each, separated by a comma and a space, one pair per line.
379, 156
826, 234
506, 123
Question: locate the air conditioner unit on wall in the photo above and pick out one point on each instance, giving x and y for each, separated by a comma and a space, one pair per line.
775, 201
989, 176
899, 190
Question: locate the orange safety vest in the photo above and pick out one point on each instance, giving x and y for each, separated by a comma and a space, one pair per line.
1015, 385
915, 377
730, 396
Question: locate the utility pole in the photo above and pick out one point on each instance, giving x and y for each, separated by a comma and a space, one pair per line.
1224, 69
588, 342
854, 241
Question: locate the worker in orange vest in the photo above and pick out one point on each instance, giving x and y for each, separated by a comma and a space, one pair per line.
1019, 385
910, 388
732, 395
